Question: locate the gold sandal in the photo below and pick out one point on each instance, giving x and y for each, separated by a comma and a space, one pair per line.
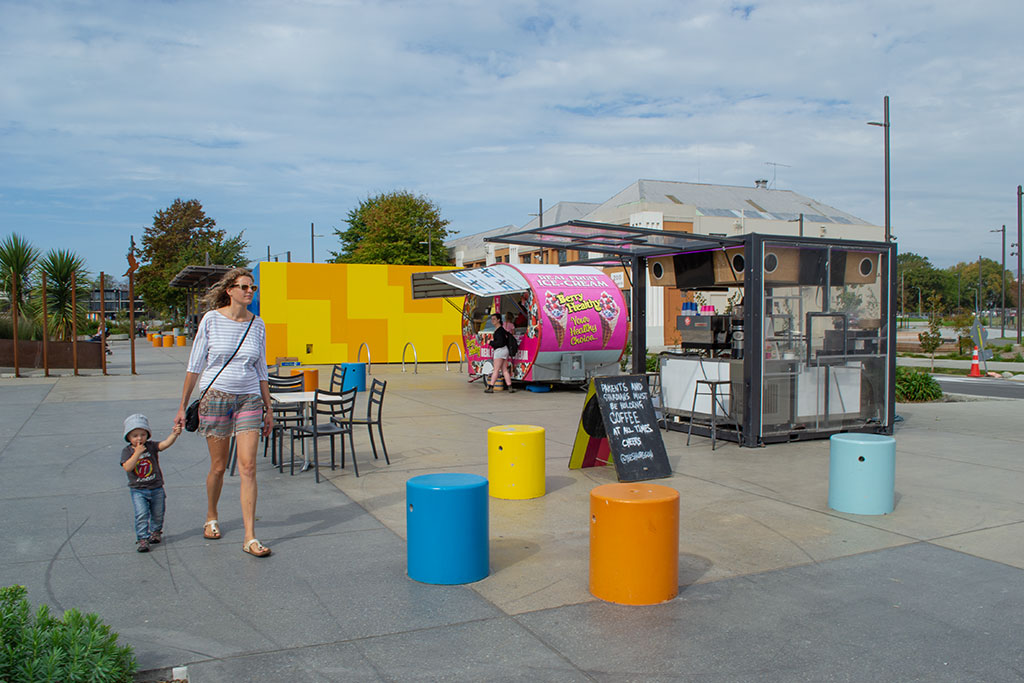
260, 551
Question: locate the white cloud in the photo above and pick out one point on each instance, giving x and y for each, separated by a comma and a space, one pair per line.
278, 114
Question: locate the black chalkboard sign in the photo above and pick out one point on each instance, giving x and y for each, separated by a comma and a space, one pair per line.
631, 427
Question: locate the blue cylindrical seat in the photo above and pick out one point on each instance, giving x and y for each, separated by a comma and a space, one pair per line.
447, 528
355, 376
862, 473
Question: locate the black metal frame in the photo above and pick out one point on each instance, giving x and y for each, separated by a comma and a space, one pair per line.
636, 245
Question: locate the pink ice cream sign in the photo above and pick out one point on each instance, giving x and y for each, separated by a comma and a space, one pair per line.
579, 312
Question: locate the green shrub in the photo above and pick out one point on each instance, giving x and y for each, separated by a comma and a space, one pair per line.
913, 386
27, 329
651, 363
39, 647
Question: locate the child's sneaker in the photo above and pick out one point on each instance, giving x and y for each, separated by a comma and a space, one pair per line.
155, 537
143, 545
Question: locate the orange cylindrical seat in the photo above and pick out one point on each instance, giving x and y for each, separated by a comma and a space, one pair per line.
168, 340
157, 340
634, 543
180, 340
310, 378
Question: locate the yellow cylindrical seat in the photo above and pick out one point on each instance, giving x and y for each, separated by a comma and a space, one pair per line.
634, 543
157, 341
515, 461
168, 340
149, 337
180, 339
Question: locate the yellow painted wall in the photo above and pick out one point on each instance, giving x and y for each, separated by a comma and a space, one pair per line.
335, 307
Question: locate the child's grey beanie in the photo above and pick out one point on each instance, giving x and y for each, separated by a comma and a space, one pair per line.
136, 421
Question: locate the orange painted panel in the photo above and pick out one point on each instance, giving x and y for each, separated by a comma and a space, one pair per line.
374, 332
277, 339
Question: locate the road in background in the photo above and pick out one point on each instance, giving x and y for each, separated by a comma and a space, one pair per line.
983, 386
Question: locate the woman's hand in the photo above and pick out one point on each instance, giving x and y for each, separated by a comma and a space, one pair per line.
179, 419
268, 422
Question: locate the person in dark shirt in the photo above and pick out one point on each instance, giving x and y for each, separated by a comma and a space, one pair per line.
140, 460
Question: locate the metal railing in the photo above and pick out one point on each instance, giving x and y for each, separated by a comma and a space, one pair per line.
446, 352
415, 360
359, 354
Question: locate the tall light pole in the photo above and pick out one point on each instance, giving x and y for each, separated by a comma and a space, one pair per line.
1002, 276
1020, 241
885, 125
430, 249
312, 244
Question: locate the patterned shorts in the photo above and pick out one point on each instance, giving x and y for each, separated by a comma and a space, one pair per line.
222, 414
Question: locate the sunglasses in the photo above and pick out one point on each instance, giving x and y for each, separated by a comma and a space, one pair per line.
245, 288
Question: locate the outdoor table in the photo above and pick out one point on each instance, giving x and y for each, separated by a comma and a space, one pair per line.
304, 398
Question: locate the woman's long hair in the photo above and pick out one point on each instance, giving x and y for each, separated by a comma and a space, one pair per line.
217, 296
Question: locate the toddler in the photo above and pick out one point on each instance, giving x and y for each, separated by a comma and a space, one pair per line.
141, 462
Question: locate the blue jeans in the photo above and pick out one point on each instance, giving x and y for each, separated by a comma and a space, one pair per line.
149, 511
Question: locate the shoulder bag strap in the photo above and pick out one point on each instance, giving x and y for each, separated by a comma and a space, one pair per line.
241, 341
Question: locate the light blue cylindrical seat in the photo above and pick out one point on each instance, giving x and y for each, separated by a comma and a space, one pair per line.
355, 376
862, 473
447, 528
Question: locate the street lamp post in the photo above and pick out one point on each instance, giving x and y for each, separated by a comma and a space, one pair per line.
885, 125
1019, 243
430, 249
1002, 277
918, 302
312, 244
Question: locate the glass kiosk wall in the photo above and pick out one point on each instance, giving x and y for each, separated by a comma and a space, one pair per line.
824, 341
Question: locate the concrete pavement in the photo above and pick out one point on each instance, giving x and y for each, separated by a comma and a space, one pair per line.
774, 586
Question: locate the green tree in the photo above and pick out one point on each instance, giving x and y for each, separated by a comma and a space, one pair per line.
18, 256
932, 339
181, 235
59, 264
394, 227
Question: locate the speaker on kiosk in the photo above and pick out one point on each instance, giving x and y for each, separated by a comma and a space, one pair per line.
661, 271
781, 265
854, 267
684, 271
730, 266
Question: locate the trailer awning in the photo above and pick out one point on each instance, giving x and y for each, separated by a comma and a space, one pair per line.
490, 281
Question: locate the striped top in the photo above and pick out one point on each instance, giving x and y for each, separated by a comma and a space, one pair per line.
216, 339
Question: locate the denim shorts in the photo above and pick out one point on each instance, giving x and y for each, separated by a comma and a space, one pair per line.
222, 414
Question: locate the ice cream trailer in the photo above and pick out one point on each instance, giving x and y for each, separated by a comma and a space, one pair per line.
571, 321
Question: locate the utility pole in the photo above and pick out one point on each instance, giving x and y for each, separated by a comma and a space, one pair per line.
980, 300
1002, 277
885, 125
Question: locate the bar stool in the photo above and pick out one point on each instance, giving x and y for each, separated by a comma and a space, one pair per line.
712, 388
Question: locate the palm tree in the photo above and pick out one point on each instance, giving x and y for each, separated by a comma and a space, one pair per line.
17, 255
58, 265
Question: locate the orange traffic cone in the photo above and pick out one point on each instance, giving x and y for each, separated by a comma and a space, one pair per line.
975, 370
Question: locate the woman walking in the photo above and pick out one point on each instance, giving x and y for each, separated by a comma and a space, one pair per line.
228, 360
499, 342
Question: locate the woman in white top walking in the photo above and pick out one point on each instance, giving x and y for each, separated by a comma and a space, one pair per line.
238, 401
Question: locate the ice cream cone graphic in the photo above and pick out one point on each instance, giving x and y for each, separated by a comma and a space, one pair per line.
609, 314
555, 310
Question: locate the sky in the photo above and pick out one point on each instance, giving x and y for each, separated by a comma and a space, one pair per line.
276, 115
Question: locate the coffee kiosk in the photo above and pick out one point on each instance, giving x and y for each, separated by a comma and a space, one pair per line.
807, 353
805, 349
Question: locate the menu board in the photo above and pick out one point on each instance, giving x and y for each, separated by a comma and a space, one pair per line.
618, 420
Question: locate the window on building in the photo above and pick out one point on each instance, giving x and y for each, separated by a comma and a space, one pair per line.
563, 256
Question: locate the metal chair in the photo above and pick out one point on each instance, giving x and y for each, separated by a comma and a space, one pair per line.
374, 407
337, 408
338, 377
284, 415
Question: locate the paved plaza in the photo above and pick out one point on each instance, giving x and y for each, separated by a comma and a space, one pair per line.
774, 586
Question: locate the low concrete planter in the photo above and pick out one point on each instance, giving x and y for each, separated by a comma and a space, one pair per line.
58, 354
